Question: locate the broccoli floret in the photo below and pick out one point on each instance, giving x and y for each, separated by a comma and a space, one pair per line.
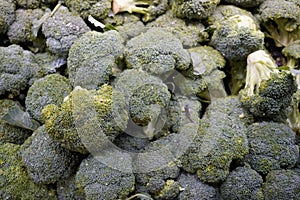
271, 146
194, 9
294, 113
102, 182
62, 29
281, 19
92, 57
51, 89
245, 3
193, 189
7, 9
237, 37
46, 161
221, 138
67, 189
243, 183
18, 69
96, 8
50, 63
15, 183
282, 184
156, 52
190, 33
28, 4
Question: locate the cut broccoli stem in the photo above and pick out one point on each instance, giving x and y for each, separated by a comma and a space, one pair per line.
137, 6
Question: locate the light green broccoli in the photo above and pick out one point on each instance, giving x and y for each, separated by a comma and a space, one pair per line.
7, 8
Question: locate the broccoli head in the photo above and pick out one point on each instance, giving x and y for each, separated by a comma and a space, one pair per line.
7, 9
271, 146
237, 37
194, 9
282, 184
156, 52
281, 19
243, 183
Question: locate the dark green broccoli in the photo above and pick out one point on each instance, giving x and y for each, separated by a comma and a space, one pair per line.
282, 184
267, 92
237, 37
15, 183
51, 89
221, 138
243, 183
102, 182
190, 33
149, 9
193, 189
96, 8
18, 70
245, 3
67, 190
156, 52
281, 19
194, 9
92, 57
7, 9
271, 146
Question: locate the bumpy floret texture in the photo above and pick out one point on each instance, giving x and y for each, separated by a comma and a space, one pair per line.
245, 3
28, 4
156, 52
282, 184
62, 29
96, 8
7, 9
194, 9
15, 183
99, 181
271, 146
92, 58
18, 68
51, 89
67, 189
242, 183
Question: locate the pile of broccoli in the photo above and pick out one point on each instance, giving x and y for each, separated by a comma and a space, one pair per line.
151, 100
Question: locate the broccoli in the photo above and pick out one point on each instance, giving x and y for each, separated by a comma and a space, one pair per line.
15, 183
28, 4
51, 89
271, 146
50, 63
66, 189
282, 184
62, 29
156, 52
92, 57
190, 33
96, 8
294, 113
268, 91
46, 161
242, 183
245, 3
194, 9
237, 37
7, 9
18, 70
221, 138
193, 189
99, 181
281, 19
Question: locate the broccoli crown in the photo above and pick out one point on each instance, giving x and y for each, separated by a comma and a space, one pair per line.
221, 138
99, 181
18, 68
51, 89
237, 37
15, 183
245, 3
62, 29
92, 57
194, 9
282, 184
193, 189
46, 161
243, 183
281, 19
271, 146
156, 52
96, 8
7, 9
272, 99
